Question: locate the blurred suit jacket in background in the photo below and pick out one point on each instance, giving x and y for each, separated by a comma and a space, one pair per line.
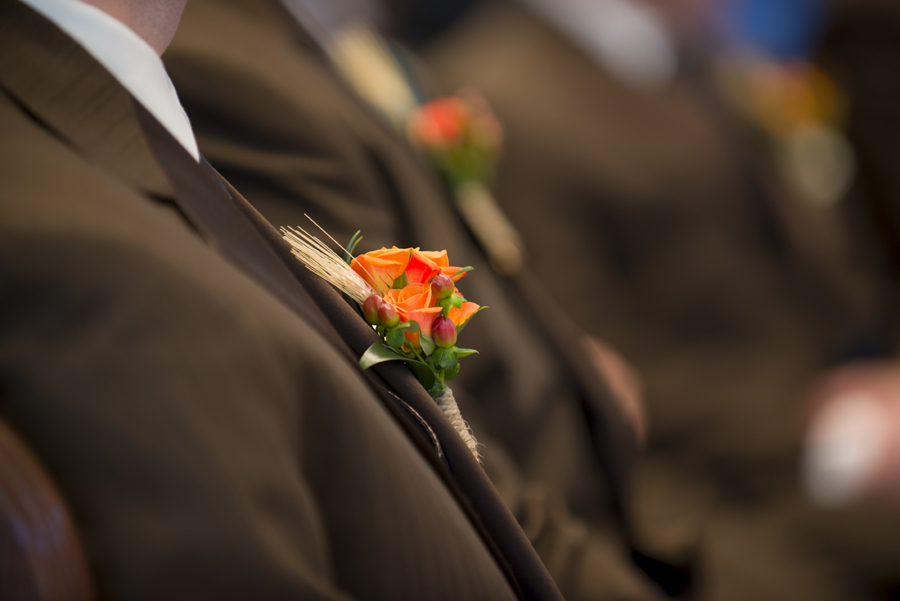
193, 390
668, 233
275, 118
861, 50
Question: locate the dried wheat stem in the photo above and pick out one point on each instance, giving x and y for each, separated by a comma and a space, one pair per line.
326, 264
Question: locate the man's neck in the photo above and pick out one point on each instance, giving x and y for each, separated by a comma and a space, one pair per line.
154, 20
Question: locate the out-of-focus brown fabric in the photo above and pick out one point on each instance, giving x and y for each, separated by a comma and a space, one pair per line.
861, 50
663, 228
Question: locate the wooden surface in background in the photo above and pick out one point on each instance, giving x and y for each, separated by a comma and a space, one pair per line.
41, 558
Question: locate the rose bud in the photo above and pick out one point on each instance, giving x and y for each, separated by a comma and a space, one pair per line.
388, 316
371, 307
442, 287
443, 332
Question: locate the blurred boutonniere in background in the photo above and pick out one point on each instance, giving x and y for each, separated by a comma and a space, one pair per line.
409, 297
463, 140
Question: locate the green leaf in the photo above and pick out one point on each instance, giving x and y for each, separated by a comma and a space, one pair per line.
436, 357
395, 337
463, 270
352, 245
436, 389
378, 353
448, 360
401, 282
427, 343
464, 352
423, 373
456, 300
449, 375
408, 326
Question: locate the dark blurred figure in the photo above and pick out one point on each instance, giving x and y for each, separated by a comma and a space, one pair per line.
273, 114
854, 418
668, 227
861, 50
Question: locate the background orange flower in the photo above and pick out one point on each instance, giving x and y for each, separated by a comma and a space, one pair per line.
440, 122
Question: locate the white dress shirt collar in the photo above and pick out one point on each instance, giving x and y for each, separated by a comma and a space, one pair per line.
127, 57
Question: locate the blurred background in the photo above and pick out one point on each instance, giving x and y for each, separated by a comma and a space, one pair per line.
711, 186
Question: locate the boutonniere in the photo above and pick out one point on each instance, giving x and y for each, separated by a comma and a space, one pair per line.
463, 140
409, 297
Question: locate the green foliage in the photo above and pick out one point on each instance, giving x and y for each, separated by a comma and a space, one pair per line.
463, 270
378, 353
401, 282
452, 373
448, 360
408, 326
431, 364
424, 374
395, 337
352, 245
427, 343
464, 352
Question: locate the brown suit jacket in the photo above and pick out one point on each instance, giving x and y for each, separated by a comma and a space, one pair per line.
193, 391
280, 124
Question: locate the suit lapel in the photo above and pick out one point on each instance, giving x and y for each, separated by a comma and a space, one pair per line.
82, 103
100, 120
96, 116
217, 214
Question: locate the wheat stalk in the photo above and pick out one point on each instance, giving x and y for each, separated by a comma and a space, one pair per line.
326, 264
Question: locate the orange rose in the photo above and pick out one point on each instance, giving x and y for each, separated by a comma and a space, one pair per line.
424, 265
414, 303
463, 314
381, 267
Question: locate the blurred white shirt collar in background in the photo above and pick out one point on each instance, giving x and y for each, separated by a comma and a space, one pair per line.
630, 41
127, 57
